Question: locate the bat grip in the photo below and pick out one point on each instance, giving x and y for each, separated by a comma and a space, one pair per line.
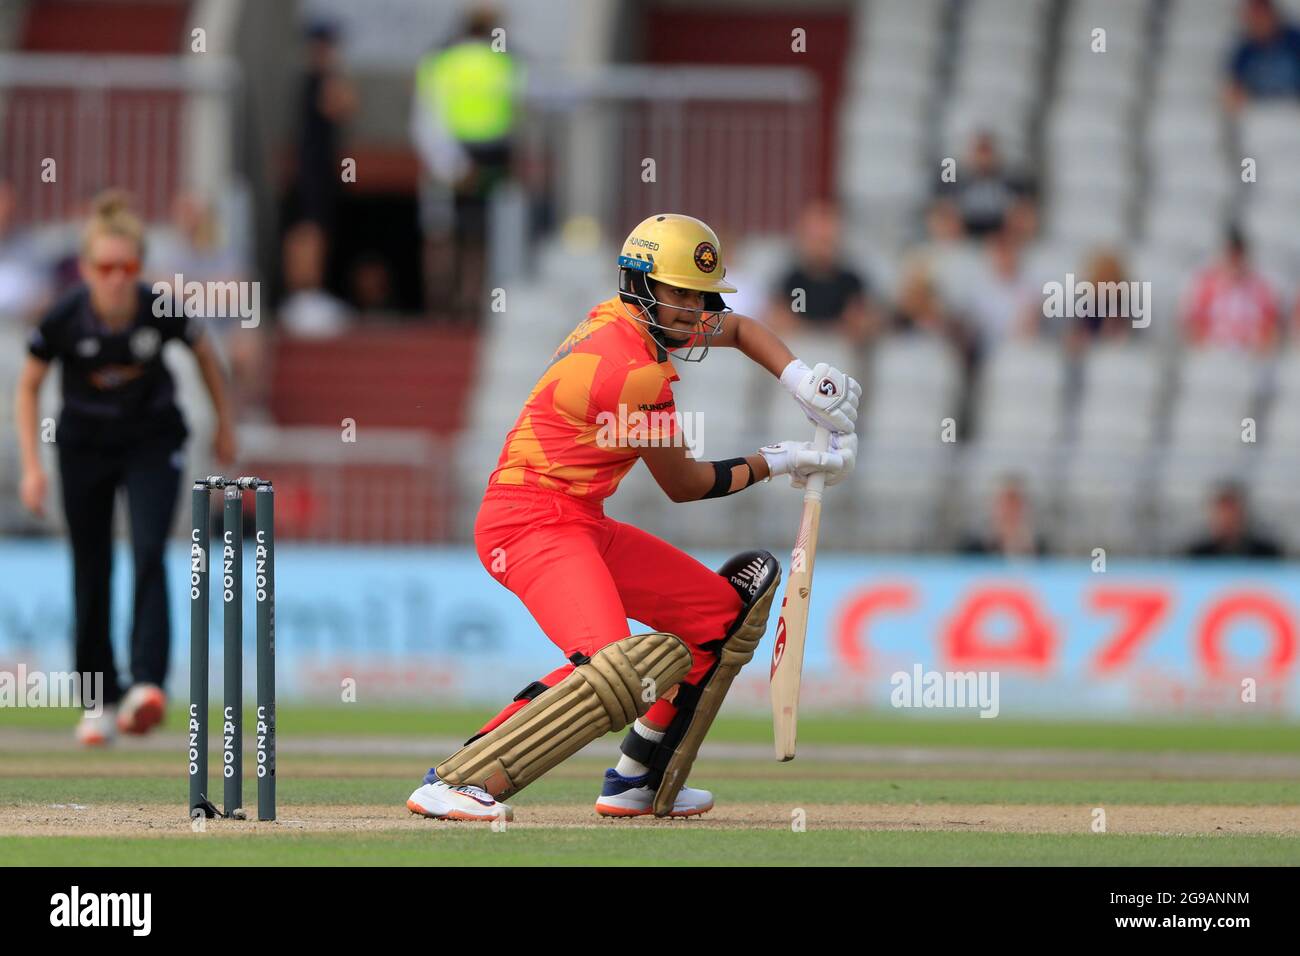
816, 483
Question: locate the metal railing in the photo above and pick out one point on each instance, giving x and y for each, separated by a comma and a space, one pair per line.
737, 146
392, 487
149, 124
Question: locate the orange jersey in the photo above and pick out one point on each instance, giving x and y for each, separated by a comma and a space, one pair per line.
606, 391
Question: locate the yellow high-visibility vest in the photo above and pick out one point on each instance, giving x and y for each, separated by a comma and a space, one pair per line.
473, 89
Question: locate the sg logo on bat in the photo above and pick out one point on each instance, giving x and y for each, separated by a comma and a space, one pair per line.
778, 651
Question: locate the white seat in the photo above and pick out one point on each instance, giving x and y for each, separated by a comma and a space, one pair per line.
1275, 493
874, 180
1171, 222
1099, 173
1271, 130
1206, 176
1169, 274
1183, 132
1281, 427
1003, 20
1021, 394
1113, 77
1121, 391
925, 13
1088, 220
895, 73
1128, 14
1103, 499
1273, 226
899, 488
1216, 390
873, 124
912, 388
1083, 120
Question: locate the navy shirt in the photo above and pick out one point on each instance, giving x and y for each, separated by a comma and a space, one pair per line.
1269, 69
116, 389
826, 295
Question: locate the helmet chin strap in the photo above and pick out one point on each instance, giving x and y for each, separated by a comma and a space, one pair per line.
660, 334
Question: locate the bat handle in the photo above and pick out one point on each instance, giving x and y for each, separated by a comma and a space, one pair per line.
816, 483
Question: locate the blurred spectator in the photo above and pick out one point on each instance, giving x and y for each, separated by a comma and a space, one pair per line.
919, 308
833, 297
308, 310
1013, 534
193, 248
1001, 299
372, 285
985, 197
463, 121
328, 99
1230, 532
1105, 269
1230, 305
24, 277
1266, 61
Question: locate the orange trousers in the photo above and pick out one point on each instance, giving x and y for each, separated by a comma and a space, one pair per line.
582, 575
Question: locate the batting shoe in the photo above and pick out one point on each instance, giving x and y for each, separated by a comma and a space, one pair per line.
630, 797
441, 801
142, 709
97, 730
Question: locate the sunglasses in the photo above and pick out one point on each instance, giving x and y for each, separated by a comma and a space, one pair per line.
128, 268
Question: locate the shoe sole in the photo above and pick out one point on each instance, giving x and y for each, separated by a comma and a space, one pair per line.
609, 811
94, 741
458, 815
146, 717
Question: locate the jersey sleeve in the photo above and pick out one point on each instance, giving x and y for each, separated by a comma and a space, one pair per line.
187, 328
43, 342
638, 403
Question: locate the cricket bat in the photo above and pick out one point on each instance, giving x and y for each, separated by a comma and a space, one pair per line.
792, 626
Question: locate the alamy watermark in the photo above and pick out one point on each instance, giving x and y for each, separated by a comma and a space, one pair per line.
1083, 299
24, 688
657, 425
209, 300
951, 690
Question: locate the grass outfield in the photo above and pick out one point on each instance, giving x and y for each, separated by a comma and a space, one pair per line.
341, 799
864, 729
578, 782
670, 846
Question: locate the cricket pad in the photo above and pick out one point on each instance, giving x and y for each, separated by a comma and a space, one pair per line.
755, 576
601, 694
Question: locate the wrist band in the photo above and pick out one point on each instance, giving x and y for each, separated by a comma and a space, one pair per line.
722, 477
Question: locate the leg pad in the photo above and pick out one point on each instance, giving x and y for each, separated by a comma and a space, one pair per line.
604, 693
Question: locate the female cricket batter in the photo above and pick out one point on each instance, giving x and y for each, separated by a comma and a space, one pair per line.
119, 427
542, 531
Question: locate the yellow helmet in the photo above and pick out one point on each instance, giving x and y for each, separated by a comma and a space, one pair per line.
677, 250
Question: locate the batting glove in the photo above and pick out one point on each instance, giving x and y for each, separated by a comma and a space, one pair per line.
799, 459
827, 396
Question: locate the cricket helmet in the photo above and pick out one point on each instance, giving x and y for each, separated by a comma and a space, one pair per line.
679, 251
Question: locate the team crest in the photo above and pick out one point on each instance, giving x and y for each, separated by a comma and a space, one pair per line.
144, 343
706, 257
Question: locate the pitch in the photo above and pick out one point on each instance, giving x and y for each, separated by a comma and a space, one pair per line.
865, 790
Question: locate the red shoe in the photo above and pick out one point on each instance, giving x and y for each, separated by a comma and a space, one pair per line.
142, 709
96, 730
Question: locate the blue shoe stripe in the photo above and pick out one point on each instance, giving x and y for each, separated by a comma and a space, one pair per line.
616, 784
